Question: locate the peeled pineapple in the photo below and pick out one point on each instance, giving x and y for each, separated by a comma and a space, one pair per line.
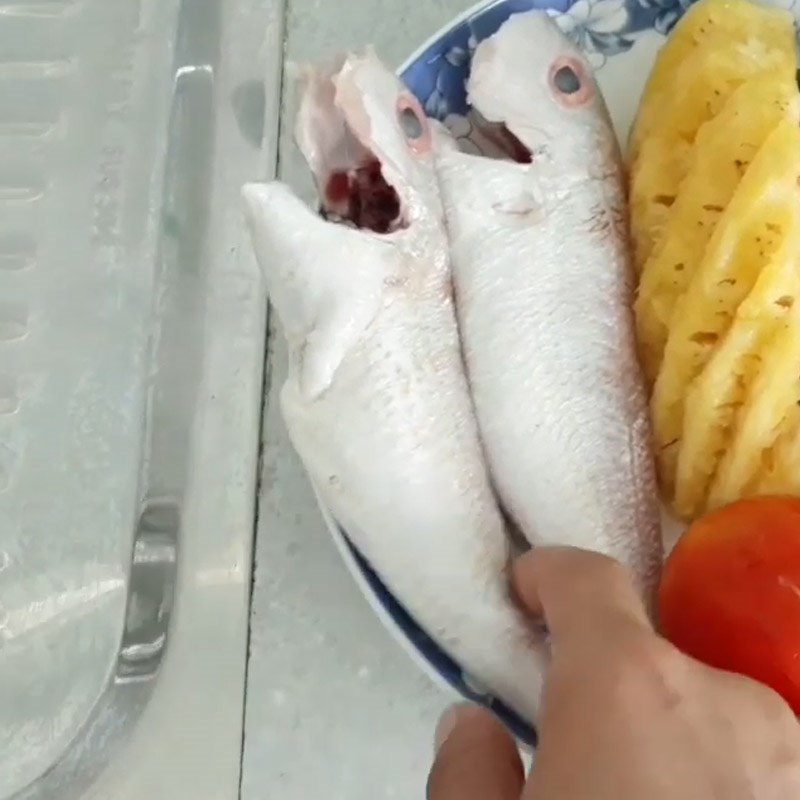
715, 217
780, 467
750, 231
724, 392
710, 28
773, 393
719, 45
722, 151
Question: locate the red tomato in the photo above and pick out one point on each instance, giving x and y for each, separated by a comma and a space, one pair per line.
730, 594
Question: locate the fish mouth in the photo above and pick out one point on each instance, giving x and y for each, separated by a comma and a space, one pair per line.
361, 197
478, 136
333, 133
495, 140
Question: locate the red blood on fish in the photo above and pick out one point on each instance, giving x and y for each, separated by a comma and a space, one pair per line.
373, 170
338, 187
519, 152
371, 202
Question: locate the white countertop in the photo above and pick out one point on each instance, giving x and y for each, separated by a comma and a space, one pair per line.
333, 703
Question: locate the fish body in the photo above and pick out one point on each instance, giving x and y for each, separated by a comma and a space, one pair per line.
376, 401
543, 286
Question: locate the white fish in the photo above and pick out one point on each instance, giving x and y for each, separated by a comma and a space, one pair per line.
376, 402
543, 296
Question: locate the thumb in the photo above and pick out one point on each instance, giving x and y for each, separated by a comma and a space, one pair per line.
476, 760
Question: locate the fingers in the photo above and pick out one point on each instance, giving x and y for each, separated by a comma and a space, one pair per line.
477, 759
582, 595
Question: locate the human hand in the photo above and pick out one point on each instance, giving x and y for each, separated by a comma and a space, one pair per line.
625, 715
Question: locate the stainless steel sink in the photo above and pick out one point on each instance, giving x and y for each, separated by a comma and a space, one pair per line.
132, 326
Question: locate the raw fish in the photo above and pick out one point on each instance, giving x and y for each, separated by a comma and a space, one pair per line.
376, 401
543, 284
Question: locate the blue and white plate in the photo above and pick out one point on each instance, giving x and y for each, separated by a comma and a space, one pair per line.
620, 38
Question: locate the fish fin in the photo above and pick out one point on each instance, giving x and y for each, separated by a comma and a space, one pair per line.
325, 280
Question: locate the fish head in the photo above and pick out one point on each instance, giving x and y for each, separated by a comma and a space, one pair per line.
369, 148
368, 144
532, 80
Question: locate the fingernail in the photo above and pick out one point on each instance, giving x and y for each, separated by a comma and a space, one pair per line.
447, 722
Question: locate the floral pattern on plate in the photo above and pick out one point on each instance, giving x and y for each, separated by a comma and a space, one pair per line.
602, 28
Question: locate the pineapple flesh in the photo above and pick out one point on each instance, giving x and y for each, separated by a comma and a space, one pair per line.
710, 27
715, 222
694, 76
724, 148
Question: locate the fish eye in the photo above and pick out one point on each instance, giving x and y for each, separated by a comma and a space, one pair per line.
410, 123
413, 123
566, 80
571, 81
